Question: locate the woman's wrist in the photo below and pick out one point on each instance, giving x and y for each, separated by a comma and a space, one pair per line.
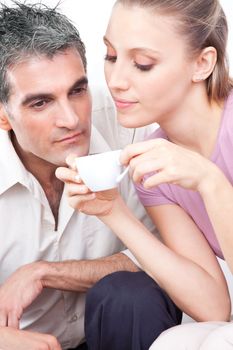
212, 182
118, 209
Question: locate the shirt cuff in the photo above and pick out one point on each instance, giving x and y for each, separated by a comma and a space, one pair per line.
128, 253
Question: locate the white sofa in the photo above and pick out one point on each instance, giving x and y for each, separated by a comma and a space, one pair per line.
229, 278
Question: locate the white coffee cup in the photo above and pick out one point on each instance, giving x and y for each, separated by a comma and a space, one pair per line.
100, 171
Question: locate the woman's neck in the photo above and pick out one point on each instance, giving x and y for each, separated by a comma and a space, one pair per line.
195, 125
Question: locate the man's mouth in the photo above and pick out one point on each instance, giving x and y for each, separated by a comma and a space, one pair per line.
70, 138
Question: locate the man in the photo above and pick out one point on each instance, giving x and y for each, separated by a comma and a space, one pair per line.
51, 255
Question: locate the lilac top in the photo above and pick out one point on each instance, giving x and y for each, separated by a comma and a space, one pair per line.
189, 200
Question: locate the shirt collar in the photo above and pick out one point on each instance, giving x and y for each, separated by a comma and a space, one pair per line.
12, 169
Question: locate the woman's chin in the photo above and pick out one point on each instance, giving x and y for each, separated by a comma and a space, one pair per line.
129, 121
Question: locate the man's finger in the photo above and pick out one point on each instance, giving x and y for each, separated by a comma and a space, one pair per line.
70, 161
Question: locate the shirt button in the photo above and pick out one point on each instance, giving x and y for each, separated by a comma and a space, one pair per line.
74, 319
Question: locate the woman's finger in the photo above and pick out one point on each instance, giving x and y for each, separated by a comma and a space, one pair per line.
13, 320
136, 149
3, 319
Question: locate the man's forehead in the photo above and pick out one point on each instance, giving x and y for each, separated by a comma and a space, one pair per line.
39, 71
31, 60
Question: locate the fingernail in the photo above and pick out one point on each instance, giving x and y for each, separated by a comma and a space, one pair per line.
77, 178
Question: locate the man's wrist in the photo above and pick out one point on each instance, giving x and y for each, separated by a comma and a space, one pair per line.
38, 269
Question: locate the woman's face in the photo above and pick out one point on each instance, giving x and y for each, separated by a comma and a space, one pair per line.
146, 68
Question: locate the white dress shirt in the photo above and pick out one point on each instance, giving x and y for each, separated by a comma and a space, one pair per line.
27, 228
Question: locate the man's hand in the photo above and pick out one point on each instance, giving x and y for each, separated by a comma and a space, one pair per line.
79, 195
13, 339
18, 292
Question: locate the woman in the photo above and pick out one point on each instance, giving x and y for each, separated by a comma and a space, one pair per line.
166, 63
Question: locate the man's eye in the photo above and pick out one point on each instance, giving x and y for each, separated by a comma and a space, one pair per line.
79, 90
110, 58
39, 104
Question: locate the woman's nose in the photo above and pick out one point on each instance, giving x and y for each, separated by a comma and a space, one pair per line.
117, 77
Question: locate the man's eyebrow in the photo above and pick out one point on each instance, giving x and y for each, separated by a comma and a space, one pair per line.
80, 82
32, 97
43, 95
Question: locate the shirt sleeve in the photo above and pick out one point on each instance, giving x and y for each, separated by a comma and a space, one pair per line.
128, 253
155, 196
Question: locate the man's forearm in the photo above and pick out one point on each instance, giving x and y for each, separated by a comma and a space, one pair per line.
22, 287
80, 275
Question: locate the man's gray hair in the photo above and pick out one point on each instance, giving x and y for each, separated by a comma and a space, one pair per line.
33, 29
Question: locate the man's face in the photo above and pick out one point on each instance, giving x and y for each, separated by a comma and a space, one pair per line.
49, 107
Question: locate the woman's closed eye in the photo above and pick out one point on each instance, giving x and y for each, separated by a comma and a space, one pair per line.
110, 58
143, 67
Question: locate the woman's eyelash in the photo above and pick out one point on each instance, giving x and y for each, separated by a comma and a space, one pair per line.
143, 67
110, 58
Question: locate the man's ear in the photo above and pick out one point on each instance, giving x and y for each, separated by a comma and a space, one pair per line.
4, 119
205, 64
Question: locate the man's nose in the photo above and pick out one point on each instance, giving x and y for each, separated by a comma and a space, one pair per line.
67, 116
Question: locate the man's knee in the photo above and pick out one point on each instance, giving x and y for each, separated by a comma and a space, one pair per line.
115, 285
127, 310
134, 290
125, 287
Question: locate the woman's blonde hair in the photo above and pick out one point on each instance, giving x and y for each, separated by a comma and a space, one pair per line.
203, 23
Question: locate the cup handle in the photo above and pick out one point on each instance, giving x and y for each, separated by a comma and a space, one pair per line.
120, 177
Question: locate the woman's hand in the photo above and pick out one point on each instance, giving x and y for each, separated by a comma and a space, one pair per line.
166, 162
79, 195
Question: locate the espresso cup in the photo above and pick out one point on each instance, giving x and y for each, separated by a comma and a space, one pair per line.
100, 171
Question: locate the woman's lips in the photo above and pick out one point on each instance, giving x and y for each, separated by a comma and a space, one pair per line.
124, 104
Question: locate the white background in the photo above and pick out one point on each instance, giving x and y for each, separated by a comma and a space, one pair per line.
91, 18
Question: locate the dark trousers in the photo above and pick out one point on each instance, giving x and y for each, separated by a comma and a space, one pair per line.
81, 347
127, 311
